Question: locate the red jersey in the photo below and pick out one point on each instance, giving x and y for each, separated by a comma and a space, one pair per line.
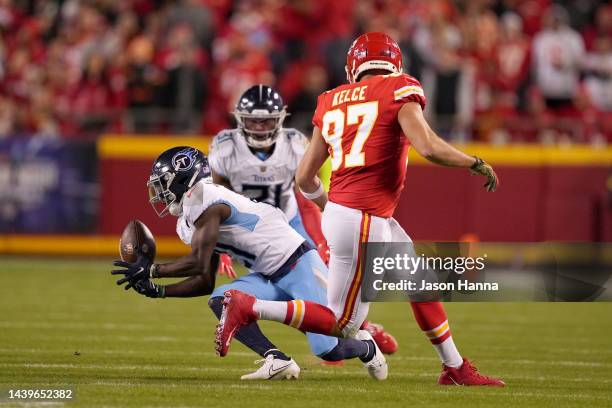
367, 146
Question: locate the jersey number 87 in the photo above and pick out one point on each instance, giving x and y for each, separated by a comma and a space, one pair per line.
334, 121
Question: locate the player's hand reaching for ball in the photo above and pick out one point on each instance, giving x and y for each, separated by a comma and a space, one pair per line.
482, 168
149, 289
134, 272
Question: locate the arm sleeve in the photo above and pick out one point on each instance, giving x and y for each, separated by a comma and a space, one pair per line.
408, 89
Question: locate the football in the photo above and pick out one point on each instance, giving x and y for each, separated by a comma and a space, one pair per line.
136, 235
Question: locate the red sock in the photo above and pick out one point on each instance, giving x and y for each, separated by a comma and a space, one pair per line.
431, 318
311, 317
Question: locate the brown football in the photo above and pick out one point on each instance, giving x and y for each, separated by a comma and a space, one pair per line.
136, 235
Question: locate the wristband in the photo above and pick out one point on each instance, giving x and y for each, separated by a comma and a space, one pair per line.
154, 271
315, 194
161, 290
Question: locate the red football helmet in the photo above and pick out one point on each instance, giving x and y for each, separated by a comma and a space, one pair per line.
372, 51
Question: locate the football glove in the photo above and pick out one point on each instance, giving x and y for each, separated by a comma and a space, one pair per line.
134, 271
225, 266
484, 169
149, 289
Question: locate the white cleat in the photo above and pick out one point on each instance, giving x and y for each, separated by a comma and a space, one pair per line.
274, 369
377, 366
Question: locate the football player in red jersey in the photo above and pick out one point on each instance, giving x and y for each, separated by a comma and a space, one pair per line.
367, 126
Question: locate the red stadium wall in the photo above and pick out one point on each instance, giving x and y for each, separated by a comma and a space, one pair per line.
546, 194
534, 203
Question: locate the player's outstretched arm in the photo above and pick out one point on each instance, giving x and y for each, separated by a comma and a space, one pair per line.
197, 265
306, 176
436, 150
200, 285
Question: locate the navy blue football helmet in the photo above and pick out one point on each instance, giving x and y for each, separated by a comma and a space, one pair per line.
260, 113
174, 172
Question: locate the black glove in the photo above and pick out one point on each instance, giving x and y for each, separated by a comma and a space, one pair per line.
134, 272
149, 289
484, 169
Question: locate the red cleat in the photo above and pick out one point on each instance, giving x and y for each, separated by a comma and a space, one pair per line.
386, 342
467, 374
237, 312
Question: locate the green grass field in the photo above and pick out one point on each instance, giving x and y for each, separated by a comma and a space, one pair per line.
66, 324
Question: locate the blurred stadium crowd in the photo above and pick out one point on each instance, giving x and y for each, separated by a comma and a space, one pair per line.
493, 70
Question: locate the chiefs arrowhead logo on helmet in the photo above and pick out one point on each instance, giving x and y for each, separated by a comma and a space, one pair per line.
372, 51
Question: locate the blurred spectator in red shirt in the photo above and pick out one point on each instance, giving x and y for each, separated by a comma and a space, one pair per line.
59, 87
94, 104
512, 58
601, 28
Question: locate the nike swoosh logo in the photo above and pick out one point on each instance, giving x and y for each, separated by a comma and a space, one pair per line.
274, 372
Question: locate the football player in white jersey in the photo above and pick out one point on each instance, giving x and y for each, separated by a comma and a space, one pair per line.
282, 264
259, 159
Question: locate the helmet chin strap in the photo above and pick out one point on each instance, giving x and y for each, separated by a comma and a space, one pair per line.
175, 208
260, 144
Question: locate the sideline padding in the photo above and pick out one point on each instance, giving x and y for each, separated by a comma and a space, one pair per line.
80, 245
532, 155
147, 147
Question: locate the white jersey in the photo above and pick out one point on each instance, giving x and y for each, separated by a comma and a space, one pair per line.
557, 55
270, 180
256, 234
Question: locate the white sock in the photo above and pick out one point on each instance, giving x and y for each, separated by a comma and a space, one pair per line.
269, 310
449, 355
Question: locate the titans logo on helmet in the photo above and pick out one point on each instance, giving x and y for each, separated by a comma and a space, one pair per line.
184, 159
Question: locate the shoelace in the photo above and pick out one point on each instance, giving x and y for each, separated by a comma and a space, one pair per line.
475, 373
261, 361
